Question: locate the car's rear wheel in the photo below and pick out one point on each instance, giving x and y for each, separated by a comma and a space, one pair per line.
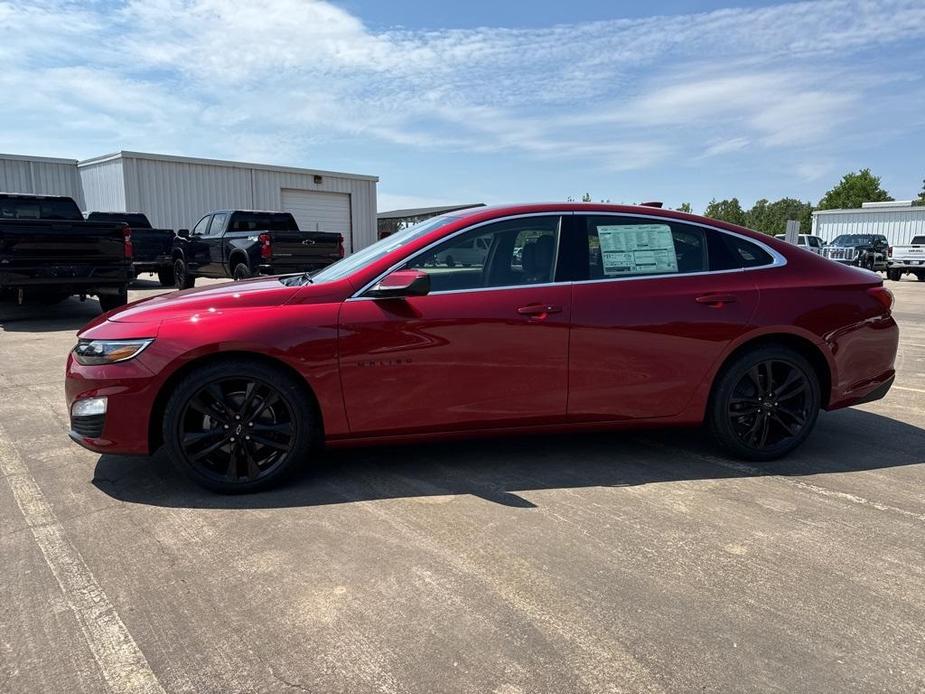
239, 426
765, 403
894, 275
182, 278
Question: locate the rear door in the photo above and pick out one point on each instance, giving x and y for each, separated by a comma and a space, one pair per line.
657, 305
488, 346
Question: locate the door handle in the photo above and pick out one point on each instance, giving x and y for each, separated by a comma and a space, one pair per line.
716, 300
538, 310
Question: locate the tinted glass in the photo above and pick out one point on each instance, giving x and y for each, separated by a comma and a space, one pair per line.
630, 247
201, 226
746, 253
255, 221
38, 208
218, 223
918, 240
504, 254
135, 220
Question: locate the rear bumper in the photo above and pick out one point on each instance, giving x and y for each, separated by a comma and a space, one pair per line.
76, 277
152, 264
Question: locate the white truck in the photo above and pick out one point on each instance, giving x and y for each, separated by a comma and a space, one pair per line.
908, 258
807, 241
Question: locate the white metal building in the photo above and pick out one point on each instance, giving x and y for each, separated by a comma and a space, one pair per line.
899, 221
175, 192
40, 175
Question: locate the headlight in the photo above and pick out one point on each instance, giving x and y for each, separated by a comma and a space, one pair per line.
95, 352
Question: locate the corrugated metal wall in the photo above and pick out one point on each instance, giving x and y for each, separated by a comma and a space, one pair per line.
176, 194
104, 190
898, 225
40, 175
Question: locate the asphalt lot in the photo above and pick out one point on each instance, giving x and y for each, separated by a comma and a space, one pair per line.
608, 562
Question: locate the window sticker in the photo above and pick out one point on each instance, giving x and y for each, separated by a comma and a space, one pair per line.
637, 249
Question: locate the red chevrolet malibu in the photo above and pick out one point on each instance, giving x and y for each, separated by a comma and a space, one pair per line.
506, 319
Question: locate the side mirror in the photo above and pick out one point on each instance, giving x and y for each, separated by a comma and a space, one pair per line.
183, 233
402, 283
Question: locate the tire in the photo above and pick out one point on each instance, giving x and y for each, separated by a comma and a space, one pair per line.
113, 300
740, 413
182, 278
919, 276
894, 275
241, 272
869, 264
209, 412
166, 276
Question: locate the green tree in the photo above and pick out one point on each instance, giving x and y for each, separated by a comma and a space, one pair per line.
921, 198
771, 217
726, 210
854, 189
685, 207
586, 197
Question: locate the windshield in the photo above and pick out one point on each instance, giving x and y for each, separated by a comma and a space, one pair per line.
854, 240
378, 250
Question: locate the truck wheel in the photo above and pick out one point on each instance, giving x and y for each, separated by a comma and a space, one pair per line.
241, 272
166, 276
239, 426
920, 276
113, 300
894, 275
182, 278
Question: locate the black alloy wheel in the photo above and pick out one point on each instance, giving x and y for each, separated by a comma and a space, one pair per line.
241, 272
766, 404
238, 426
181, 275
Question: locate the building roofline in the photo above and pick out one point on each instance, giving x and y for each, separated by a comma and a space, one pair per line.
870, 210
124, 154
44, 160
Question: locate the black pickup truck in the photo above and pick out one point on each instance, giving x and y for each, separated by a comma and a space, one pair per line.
152, 246
49, 252
244, 243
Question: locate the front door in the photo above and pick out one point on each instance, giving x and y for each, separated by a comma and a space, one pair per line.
661, 302
487, 347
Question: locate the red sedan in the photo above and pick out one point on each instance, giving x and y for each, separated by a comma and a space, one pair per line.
506, 319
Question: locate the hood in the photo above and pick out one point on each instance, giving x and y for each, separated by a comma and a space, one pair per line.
256, 293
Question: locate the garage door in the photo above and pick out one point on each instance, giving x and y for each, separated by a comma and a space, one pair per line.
315, 211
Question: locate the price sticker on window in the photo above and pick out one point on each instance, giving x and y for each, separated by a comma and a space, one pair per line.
637, 249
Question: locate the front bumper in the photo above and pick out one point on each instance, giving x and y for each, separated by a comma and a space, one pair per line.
131, 389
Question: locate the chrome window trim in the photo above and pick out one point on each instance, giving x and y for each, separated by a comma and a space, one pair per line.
777, 259
458, 232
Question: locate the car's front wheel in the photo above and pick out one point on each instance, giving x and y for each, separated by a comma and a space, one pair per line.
765, 403
239, 426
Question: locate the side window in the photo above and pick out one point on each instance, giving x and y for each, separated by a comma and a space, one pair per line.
201, 226
628, 247
504, 254
746, 253
218, 223
814, 242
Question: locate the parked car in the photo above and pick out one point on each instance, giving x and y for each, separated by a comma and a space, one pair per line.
152, 246
807, 241
244, 243
49, 252
861, 250
907, 258
676, 320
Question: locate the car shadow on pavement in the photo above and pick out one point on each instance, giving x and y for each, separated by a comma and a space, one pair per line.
498, 470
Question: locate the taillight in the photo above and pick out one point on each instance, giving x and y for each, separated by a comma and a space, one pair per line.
340, 249
883, 295
889, 251
266, 250
127, 242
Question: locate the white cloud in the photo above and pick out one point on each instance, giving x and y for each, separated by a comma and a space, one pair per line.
275, 76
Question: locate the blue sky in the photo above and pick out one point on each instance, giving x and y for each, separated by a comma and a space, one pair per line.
484, 101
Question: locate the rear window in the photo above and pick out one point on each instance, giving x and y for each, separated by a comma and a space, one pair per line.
136, 220
248, 221
40, 208
918, 240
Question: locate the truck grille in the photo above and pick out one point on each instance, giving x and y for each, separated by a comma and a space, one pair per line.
840, 254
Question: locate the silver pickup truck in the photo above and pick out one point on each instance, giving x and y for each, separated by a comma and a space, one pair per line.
908, 258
